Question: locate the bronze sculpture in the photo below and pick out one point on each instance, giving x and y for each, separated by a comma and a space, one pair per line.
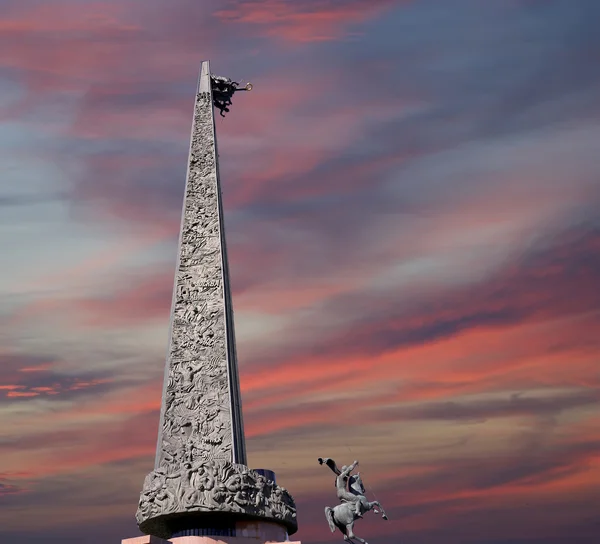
351, 492
223, 89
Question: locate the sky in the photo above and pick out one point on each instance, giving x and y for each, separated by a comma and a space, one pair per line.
412, 196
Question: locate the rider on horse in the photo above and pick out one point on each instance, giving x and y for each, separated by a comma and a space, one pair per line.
346, 494
351, 493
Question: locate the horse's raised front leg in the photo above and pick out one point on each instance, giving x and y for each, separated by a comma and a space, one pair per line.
378, 504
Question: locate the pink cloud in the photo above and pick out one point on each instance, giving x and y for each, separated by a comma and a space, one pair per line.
37, 368
148, 299
305, 21
473, 362
72, 49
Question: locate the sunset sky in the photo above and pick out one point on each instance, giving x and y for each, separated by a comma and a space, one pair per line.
412, 202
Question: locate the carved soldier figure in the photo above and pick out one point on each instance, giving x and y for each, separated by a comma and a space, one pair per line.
198, 480
276, 502
163, 499
214, 427
148, 498
287, 503
192, 401
261, 498
234, 487
187, 377
188, 451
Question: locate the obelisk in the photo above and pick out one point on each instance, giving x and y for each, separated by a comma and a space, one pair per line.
200, 484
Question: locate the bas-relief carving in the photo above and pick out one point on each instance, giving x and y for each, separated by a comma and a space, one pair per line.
212, 486
197, 419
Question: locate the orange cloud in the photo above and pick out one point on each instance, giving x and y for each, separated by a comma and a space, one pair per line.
475, 361
580, 474
22, 394
15, 391
37, 368
45, 389
117, 426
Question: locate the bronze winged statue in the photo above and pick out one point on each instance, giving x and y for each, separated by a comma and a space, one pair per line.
223, 89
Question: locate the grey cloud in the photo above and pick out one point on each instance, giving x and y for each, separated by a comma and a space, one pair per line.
515, 405
551, 280
8, 489
29, 199
66, 386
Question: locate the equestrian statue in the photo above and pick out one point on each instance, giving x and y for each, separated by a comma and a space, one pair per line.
351, 493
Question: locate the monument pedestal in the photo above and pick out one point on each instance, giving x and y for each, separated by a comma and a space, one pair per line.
247, 532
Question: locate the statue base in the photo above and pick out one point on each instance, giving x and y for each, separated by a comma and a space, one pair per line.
247, 532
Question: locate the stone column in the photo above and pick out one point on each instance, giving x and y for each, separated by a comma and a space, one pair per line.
200, 478
201, 395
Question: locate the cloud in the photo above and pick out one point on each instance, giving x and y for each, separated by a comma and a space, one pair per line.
8, 489
528, 289
461, 491
128, 437
135, 300
516, 404
32, 376
101, 71
412, 224
305, 20
145, 299
496, 479
27, 200
39, 42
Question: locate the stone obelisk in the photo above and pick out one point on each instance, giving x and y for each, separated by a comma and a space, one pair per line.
200, 485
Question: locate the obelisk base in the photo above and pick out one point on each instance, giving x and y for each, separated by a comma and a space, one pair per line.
211, 494
247, 532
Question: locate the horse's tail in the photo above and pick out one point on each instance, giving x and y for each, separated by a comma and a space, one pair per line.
329, 516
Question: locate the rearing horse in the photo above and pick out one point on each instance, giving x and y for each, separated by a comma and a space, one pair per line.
351, 492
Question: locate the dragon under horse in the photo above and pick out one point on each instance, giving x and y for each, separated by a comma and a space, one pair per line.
351, 492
